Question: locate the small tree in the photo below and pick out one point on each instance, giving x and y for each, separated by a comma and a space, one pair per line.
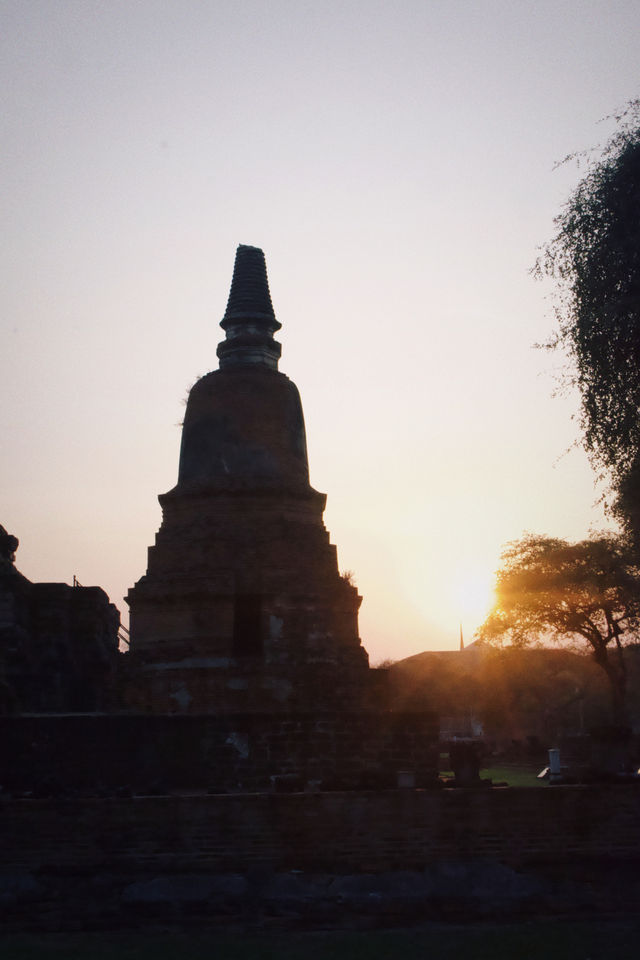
550, 590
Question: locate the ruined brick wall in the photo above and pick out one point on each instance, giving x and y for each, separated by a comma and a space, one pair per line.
58, 646
214, 752
339, 832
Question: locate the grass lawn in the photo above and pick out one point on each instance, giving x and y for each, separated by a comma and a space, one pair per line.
514, 776
546, 940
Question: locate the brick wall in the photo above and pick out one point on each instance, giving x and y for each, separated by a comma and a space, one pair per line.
220, 753
59, 646
339, 832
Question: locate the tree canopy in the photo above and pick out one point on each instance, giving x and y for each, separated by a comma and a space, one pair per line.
552, 590
595, 257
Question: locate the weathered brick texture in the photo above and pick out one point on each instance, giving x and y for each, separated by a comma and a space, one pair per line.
339, 832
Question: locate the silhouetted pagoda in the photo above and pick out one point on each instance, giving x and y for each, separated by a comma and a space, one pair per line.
242, 607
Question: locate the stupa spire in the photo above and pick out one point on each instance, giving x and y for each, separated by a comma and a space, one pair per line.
249, 321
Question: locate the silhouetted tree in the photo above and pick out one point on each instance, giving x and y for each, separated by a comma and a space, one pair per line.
549, 590
595, 256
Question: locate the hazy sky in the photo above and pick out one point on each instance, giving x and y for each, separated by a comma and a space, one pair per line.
395, 162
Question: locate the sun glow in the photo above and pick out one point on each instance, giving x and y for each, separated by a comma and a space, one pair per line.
473, 593
442, 589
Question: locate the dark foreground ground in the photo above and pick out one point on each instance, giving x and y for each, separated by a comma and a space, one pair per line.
616, 939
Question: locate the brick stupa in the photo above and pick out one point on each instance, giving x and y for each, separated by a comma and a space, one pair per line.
242, 607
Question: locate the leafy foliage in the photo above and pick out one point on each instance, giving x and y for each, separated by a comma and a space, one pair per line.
595, 256
552, 590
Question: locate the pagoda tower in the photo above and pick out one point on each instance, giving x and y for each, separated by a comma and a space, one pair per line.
242, 607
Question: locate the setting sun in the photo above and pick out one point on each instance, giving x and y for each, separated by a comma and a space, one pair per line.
473, 595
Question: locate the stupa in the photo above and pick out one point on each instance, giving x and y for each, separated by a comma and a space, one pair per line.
243, 607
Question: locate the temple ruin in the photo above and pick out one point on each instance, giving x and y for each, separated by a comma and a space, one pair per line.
242, 607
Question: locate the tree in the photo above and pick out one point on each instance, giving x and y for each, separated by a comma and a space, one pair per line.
595, 257
552, 590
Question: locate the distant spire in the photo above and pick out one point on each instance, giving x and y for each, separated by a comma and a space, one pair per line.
461, 639
249, 321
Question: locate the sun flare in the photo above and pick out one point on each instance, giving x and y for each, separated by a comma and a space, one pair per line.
473, 595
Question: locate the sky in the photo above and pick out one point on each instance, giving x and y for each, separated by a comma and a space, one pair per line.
396, 161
